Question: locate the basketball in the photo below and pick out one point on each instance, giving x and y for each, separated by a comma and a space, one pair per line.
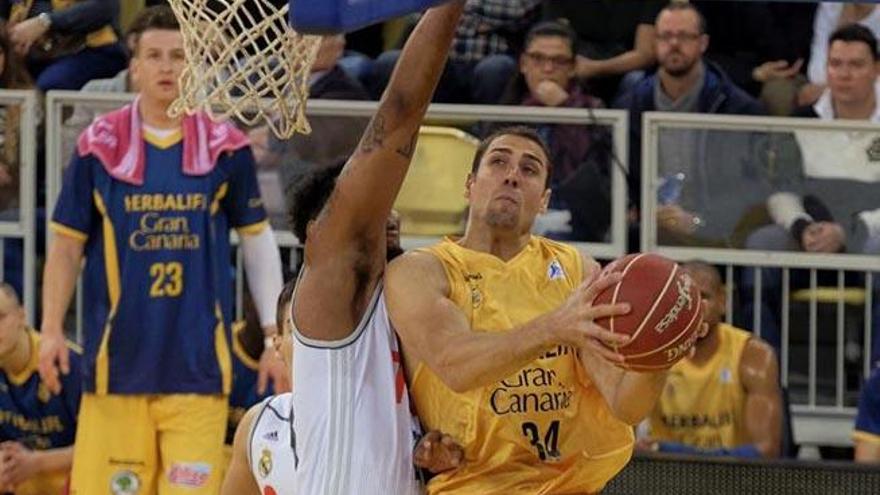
665, 314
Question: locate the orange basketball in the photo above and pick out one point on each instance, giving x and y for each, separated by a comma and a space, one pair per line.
666, 311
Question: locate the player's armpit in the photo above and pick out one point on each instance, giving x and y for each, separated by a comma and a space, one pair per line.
239, 478
435, 331
759, 372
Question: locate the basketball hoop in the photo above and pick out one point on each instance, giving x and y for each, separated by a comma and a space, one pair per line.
244, 61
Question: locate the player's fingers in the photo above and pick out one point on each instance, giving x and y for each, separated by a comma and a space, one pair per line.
606, 310
605, 352
603, 335
64, 359
601, 283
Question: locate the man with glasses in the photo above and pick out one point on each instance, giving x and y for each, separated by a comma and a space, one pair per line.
581, 154
686, 82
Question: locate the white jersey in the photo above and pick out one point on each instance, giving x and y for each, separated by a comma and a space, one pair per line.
270, 453
354, 430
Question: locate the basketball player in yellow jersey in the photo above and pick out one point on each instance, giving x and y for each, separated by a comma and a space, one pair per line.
499, 343
725, 399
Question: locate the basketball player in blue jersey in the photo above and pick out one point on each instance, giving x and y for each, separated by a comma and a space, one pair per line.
149, 201
37, 428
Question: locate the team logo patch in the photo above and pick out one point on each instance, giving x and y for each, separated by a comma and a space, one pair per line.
272, 436
125, 483
555, 271
43, 394
473, 281
726, 376
265, 464
190, 474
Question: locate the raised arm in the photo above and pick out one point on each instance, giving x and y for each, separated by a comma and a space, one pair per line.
345, 246
435, 331
368, 185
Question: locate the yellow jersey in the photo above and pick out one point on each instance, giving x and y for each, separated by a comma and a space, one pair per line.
704, 406
544, 429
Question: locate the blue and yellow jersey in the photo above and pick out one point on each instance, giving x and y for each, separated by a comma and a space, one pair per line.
244, 383
38, 419
868, 418
157, 279
33, 416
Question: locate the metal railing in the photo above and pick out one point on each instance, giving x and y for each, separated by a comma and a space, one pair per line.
814, 423
23, 227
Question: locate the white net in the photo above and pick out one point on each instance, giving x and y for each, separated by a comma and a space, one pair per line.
244, 61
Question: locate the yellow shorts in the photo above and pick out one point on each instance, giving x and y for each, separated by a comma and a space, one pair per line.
149, 444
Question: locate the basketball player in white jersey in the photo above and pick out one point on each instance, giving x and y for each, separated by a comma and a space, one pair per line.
352, 422
264, 450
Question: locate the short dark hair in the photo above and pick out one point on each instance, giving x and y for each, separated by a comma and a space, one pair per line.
306, 197
559, 29
159, 17
855, 33
517, 130
680, 5
284, 299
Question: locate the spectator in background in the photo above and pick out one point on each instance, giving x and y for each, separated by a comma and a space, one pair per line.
481, 62
616, 38
867, 431
686, 82
66, 44
829, 17
833, 205
39, 427
725, 399
580, 207
764, 52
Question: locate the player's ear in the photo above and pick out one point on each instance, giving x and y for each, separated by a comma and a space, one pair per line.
468, 183
310, 227
545, 200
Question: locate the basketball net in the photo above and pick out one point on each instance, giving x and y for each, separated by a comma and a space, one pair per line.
244, 61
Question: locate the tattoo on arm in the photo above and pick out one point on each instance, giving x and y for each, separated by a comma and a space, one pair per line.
409, 149
374, 135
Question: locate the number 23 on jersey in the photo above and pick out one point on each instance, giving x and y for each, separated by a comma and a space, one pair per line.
167, 279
